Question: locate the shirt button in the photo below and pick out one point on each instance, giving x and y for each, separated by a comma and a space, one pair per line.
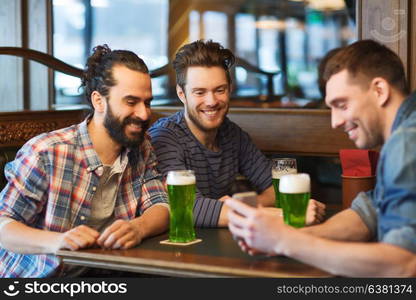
94, 188
100, 171
82, 218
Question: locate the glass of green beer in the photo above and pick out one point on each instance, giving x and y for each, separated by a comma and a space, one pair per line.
295, 191
280, 167
181, 193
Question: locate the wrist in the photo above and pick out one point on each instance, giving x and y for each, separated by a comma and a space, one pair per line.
55, 242
282, 245
137, 224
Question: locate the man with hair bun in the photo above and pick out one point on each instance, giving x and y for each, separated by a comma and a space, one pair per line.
367, 92
91, 184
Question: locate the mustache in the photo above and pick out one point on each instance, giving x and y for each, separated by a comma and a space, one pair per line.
137, 122
215, 106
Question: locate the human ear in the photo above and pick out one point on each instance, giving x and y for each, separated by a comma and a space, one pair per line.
181, 94
381, 89
98, 102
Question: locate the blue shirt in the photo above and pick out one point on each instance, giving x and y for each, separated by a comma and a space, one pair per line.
389, 210
177, 149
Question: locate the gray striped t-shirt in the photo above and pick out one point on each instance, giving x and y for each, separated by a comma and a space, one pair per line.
177, 149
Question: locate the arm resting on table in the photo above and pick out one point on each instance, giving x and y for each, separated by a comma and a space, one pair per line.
350, 259
344, 226
20, 238
154, 220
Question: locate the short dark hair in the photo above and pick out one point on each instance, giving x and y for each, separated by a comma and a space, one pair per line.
368, 59
98, 73
202, 53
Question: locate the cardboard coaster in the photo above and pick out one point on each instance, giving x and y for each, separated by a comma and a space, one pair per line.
166, 242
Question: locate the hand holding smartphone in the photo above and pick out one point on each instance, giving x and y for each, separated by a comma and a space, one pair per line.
249, 198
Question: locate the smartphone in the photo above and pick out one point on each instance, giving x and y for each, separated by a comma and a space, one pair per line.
249, 198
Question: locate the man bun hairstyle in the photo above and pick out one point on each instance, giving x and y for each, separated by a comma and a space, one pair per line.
98, 72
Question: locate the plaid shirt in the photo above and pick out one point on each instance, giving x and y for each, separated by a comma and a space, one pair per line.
51, 184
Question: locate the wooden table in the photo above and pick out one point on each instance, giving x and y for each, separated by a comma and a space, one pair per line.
218, 255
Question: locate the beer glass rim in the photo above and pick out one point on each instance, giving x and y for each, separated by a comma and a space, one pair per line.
187, 172
284, 163
179, 177
284, 158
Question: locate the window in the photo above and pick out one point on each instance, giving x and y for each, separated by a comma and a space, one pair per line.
136, 25
285, 38
69, 46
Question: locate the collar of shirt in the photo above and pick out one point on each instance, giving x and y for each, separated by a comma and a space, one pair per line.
408, 106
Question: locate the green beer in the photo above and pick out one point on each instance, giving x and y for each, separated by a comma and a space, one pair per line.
181, 193
278, 202
280, 167
294, 195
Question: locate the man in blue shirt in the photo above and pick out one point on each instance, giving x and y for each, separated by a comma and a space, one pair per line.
366, 91
203, 139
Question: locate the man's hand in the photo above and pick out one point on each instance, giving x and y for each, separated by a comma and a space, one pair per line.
278, 212
251, 251
223, 198
77, 238
259, 228
121, 234
315, 212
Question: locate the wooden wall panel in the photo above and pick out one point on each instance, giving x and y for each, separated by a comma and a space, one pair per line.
16, 128
292, 131
387, 21
178, 32
179, 11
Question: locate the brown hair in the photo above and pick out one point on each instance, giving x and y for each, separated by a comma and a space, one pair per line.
98, 75
202, 53
368, 59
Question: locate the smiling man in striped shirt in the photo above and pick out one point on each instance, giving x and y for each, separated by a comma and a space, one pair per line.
203, 139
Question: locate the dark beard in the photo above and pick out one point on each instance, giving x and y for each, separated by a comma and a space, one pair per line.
199, 124
116, 130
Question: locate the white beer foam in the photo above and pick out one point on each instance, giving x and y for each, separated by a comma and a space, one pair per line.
180, 179
295, 184
277, 174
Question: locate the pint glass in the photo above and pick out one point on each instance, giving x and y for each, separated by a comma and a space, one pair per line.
280, 167
181, 193
295, 193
